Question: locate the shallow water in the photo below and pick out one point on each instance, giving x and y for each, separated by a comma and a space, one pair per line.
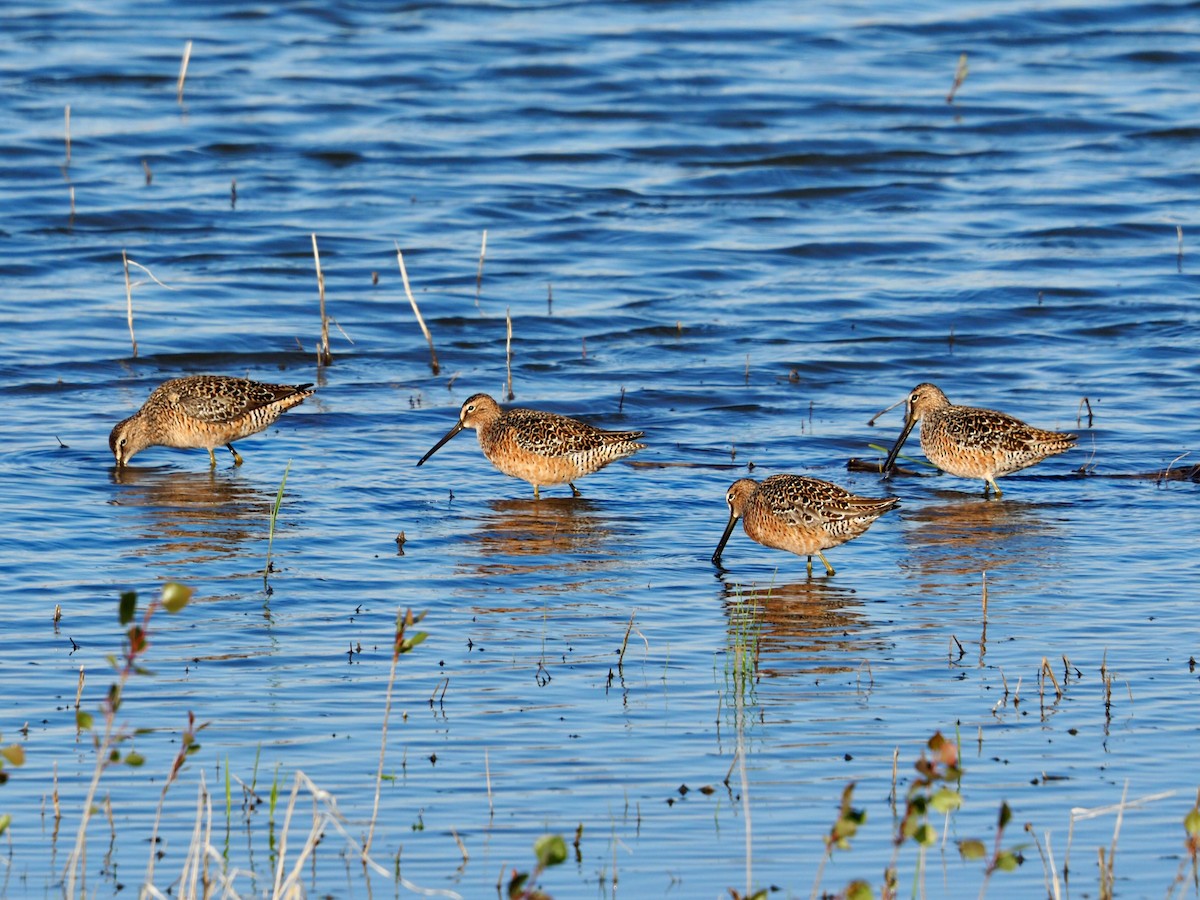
743, 228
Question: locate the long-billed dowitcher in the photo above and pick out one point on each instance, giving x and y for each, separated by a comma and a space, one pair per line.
974, 443
203, 411
539, 447
799, 514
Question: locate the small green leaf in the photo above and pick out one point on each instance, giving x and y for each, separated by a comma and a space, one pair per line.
14, 753
972, 849
516, 884
5, 820
550, 850
1007, 861
858, 890
83, 720
128, 606
946, 800
408, 643
925, 835
135, 759
175, 596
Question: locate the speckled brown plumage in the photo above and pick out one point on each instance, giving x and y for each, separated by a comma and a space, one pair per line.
539, 447
974, 443
799, 514
203, 411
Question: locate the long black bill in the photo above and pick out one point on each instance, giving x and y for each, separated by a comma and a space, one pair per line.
888, 465
716, 557
438, 446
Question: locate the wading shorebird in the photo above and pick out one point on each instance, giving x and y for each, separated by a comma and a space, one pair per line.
799, 514
974, 443
203, 411
539, 447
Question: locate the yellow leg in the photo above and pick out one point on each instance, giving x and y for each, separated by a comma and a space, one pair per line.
828, 567
991, 482
536, 495
574, 490
237, 460
810, 567
212, 460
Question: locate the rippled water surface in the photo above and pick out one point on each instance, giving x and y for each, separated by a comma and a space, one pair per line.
743, 228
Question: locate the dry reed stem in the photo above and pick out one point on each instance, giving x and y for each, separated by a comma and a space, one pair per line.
479, 272
960, 75
625, 643
79, 689
985, 597
183, 66
433, 360
487, 775
508, 351
129, 301
67, 131
462, 848
71, 193
895, 772
1049, 671
387, 711
323, 356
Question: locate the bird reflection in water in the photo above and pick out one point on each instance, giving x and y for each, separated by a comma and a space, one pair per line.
192, 516
966, 537
808, 627
555, 545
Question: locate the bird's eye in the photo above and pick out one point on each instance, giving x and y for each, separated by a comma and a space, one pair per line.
121, 443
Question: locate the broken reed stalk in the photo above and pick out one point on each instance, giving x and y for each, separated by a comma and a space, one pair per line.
187, 55
462, 848
128, 300
324, 357
479, 272
960, 75
433, 360
508, 351
985, 597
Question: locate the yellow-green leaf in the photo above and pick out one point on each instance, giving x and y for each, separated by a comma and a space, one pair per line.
14, 753
1192, 821
175, 596
1007, 861
135, 759
83, 720
946, 800
550, 850
5, 820
925, 835
859, 890
972, 849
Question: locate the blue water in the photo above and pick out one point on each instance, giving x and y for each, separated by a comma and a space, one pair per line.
744, 228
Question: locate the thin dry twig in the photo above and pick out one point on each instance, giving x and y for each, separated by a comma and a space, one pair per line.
508, 351
433, 360
479, 273
960, 75
324, 357
129, 301
183, 66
